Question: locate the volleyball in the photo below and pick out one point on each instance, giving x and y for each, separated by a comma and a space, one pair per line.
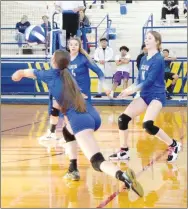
35, 34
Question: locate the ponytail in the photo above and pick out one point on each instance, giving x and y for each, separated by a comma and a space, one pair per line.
72, 97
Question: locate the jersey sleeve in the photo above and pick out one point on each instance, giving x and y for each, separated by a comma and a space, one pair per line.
43, 75
156, 70
95, 69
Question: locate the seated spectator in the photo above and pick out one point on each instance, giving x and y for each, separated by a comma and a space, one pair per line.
84, 22
168, 75
144, 52
170, 7
123, 69
102, 55
46, 25
20, 31
185, 3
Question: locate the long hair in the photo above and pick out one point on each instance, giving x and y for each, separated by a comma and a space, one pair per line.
71, 96
158, 39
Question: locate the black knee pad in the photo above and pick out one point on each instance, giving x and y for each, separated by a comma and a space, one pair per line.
123, 122
150, 128
67, 135
96, 161
54, 112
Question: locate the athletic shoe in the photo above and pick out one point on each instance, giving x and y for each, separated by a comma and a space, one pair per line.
131, 182
74, 176
48, 136
120, 155
173, 152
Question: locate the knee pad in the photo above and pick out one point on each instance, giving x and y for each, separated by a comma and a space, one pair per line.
67, 135
96, 161
54, 112
150, 128
123, 122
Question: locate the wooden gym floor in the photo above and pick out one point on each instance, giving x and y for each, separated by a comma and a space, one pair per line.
31, 177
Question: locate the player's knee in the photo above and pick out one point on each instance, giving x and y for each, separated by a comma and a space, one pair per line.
123, 121
150, 128
96, 161
54, 112
67, 135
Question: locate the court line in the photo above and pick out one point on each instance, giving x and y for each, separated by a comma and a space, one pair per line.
115, 194
45, 156
24, 125
112, 196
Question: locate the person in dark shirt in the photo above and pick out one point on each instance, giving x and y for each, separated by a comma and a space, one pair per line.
20, 31
185, 3
168, 75
170, 7
144, 52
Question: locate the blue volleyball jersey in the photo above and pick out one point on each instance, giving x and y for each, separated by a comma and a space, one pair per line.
151, 75
79, 67
79, 121
53, 80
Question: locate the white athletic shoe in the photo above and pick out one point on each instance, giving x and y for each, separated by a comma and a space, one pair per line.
111, 95
173, 152
48, 136
120, 155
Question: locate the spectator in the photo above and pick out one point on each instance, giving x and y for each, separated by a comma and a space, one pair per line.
94, 2
144, 52
103, 54
185, 3
84, 22
46, 25
20, 31
123, 69
168, 75
170, 7
70, 11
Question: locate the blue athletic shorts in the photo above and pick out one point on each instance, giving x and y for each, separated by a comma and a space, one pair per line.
81, 121
157, 96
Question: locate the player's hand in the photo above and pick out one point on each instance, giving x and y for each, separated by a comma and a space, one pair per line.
17, 76
85, 96
123, 94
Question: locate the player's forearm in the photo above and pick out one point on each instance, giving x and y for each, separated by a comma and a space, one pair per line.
28, 73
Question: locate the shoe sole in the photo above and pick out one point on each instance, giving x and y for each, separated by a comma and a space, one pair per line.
135, 186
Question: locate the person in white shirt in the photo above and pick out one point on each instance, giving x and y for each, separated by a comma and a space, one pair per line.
70, 10
103, 54
123, 69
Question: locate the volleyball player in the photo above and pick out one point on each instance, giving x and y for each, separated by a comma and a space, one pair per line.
152, 98
82, 124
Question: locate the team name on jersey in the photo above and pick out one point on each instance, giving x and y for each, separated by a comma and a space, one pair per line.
72, 67
144, 67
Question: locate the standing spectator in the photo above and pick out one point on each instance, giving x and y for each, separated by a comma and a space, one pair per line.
185, 3
168, 75
70, 11
94, 2
123, 69
170, 7
144, 52
20, 31
103, 54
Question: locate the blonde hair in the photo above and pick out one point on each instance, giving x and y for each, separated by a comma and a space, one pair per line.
158, 38
81, 50
72, 97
